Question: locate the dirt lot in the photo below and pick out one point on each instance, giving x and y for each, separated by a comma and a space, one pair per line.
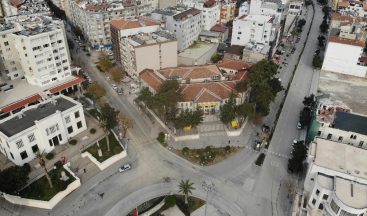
351, 90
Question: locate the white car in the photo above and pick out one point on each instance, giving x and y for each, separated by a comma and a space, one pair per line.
114, 86
125, 167
108, 78
299, 126
295, 141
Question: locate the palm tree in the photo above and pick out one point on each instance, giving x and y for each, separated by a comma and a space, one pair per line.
186, 187
125, 123
103, 124
42, 163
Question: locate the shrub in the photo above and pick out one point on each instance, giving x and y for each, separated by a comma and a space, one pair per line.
92, 130
161, 137
185, 150
227, 148
170, 201
58, 164
73, 142
50, 156
259, 161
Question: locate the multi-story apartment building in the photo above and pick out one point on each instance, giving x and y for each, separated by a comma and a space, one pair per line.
94, 18
227, 11
25, 7
36, 48
210, 10
140, 44
183, 22
352, 8
256, 29
40, 128
336, 181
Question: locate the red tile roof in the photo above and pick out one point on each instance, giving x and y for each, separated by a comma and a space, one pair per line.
66, 85
209, 3
16, 3
152, 79
97, 6
343, 4
21, 103
351, 42
208, 92
130, 24
219, 28
234, 64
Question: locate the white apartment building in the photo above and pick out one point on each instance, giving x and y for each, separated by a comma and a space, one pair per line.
267, 8
140, 44
36, 48
352, 8
244, 9
40, 127
94, 18
183, 22
336, 181
256, 29
210, 10
295, 7
25, 7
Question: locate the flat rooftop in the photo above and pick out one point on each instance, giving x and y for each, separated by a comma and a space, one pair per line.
341, 157
25, 119
351, 193
22, 89
197, 50
152, 38
351, 122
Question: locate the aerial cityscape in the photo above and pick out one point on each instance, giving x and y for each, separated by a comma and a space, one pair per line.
183, 107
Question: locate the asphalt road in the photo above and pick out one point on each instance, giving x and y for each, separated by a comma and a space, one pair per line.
241, 188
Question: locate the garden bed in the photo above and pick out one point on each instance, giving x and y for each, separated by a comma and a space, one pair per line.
40, 189
114, 145
207, 156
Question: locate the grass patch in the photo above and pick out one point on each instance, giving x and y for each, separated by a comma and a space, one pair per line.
40, 189
114, 145
207, 156
195, 45
194, 204
260, 160
73, 142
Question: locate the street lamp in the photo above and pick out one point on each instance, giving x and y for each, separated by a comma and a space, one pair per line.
208, 187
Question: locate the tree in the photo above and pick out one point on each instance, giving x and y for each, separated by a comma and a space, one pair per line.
42, 163
189, 118
228, 111
125, 123
305, 116
321, 40
301, 23
146, 96
324, 26
215, 58
104, 64
309, 101
116, 74
186, 188
96, 90
246, 110
317, 61
326, 10
108, 120
299, 154
14, 178
165, 101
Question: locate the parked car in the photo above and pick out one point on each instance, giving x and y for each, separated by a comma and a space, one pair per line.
299, 125
293, 50
125, 167
108, 78
120, 91
114, 86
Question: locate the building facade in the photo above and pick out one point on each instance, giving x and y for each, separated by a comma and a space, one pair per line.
210, 10
227, 11
35, 48
40, 128
185, 23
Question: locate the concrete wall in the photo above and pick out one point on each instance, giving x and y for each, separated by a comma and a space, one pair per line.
343, 58
46, 204
154, 209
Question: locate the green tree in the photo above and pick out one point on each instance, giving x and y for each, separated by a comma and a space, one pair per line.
321, 40
188, 118
42, 163
108, 120
301, 23
104, 64
317, 61
96, 90
309, 101
215, 58
246, 110
146, 96
228, 111
165, 101
116, 74
14, 178
299, 154
186, 187
305, 116
324, 26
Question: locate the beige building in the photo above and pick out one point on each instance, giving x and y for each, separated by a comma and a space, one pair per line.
36, 48
140, 44
94, 19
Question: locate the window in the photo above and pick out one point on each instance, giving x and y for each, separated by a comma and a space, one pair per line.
11, 154
31, 137
325, 196
77, 114
60, 137
19, 144
47, 132
317, 192
79, 124
340, 139
23, 155
334, 207
52, 129
70, 129
313, 202
361, 143
35, 148
50, 142
329, 136
67, 119
6, 43
321, 206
